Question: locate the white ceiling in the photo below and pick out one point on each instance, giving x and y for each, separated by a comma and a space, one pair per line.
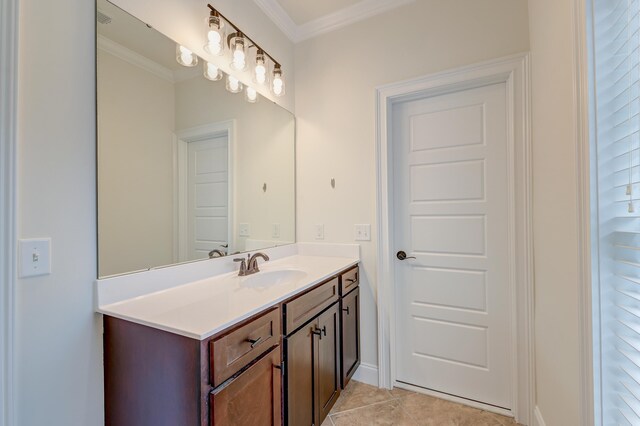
304, 19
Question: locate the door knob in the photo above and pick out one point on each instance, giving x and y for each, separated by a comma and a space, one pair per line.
401, 255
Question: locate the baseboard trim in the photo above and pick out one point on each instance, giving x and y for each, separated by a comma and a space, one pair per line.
537, 417
367, 373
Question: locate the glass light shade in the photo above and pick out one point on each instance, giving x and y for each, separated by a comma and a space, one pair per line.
251, 95
238, 53
185, 57
212, 72
260, 70
277, 83
233, 84
215, 36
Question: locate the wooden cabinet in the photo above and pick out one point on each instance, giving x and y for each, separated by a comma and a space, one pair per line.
313, 369
350, 335
235, 378
253, 398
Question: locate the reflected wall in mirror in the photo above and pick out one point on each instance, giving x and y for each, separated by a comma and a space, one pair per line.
186, 169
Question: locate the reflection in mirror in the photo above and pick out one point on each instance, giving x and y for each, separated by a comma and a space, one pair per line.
186, 169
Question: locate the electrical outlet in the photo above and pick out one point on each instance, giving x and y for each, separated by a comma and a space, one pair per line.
244, 230
35, 257
362, 232
320, 232
275, 230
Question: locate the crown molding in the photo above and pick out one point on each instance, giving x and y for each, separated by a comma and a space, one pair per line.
134, 58
339, 19
280, 17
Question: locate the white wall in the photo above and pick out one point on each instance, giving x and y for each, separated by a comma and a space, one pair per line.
336, 77
59, 343
59, 339
555, 215
135, 174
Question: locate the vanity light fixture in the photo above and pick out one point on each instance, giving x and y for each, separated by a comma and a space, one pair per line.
239, 44
233, 84
215, 34
251, 95
185, 57
277, 84
212, 72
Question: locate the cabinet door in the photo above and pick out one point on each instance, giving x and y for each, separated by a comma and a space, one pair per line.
327, 362
350, 325
251, 399
299, 349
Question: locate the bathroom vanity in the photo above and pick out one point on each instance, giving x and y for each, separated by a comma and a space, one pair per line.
272, 348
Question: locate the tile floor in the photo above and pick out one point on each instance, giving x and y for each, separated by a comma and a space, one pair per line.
364, 405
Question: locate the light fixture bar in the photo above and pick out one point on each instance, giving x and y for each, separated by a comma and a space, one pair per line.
216, 12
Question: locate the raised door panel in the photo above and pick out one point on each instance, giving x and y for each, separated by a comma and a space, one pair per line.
299, 349
251, 399
350, 337
327, 361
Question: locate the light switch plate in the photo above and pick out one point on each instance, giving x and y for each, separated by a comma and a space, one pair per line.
362, 232
244, 230
319, 232
275, 230
35, 257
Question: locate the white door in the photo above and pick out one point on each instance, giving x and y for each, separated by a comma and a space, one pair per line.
451, 213
208, 201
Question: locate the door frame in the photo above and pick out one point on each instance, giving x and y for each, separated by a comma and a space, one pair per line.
8, 191
514, 72
180, 166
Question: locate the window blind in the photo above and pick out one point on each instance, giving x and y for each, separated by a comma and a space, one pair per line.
616, 56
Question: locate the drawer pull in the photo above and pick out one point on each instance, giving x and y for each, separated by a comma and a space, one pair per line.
346, 310
318, 332
254, 342
351, 280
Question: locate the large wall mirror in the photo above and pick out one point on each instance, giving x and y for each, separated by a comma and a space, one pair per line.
186, 169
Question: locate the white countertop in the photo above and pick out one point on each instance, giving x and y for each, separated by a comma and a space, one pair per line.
205, 307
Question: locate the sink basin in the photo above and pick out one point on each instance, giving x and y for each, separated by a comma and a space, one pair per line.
266, 279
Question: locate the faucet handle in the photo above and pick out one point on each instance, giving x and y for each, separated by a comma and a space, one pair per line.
243, 265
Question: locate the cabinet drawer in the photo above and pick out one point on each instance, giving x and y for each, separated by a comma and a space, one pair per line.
230, 353
349, 280
254, 398
305, 307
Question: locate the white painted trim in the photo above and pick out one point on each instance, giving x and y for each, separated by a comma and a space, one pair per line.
537, 418
583, 199
280, 17
514, 71
367, 373
347, 16
182, 138
453, 398
327, 23
134, 58
8, 188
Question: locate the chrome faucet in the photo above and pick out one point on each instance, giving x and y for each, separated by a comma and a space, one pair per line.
216, 253
250, 266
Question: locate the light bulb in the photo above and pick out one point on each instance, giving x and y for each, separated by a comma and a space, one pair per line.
277, 85
215, 35
239, 57
260, 69
251, 95
186, 57
233, 84
212, 72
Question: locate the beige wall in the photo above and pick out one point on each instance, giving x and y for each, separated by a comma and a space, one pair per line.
555, 215
135, 174
336, 77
